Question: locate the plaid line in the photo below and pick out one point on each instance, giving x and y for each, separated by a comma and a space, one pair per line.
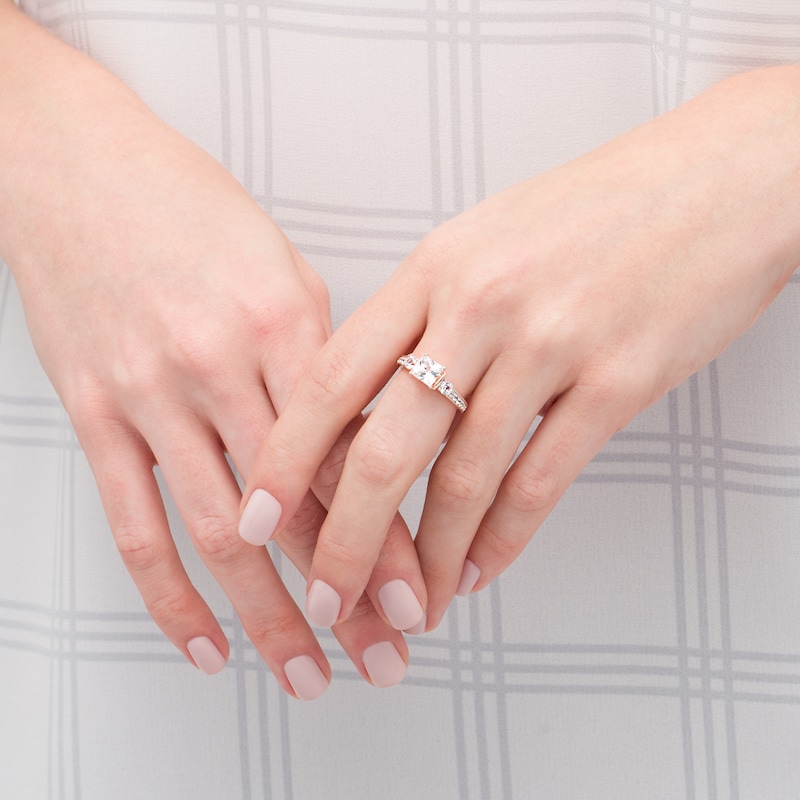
101, 637
529, 30
703, 468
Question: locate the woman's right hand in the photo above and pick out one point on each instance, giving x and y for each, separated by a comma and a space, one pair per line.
174, 319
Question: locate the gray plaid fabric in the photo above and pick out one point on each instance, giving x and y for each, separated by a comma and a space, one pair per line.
646, 645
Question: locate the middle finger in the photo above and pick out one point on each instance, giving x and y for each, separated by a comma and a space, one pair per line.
401, 436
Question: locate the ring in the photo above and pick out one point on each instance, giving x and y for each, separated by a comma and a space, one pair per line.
432, 374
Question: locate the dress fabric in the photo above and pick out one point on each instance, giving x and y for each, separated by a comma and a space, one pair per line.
645, 645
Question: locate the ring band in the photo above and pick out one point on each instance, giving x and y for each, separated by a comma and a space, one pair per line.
433, 375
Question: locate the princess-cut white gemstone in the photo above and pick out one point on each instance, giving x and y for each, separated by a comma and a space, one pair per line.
427, 370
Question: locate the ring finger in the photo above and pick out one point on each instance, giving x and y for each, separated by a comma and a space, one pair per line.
401, 436
572, 431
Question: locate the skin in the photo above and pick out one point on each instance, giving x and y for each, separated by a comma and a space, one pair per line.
164, 305
174, 319
584, 294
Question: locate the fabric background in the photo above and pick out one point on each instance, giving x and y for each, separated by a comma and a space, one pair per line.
647, 644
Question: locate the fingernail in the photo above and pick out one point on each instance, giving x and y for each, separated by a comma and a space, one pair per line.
400, 604
205, 655
323, 604
259, 518
469, 577
419, 628
307, 679
384, 665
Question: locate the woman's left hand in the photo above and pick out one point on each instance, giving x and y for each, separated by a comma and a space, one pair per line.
584, 294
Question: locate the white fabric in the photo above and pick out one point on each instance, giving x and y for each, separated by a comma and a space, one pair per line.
647, 643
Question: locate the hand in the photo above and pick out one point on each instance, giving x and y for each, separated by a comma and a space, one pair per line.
173, 318
584, 294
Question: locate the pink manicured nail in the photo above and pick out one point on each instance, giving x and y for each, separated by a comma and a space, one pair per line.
323, 604
419, 627
384, 665
400, 605
205, 655
307, 679
469, 577
259, 518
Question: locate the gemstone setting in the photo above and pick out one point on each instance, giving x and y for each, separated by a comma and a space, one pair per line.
432, 374
428, 371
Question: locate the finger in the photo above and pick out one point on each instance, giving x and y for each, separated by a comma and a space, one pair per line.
338, 384
298, 340
207, 497
123, 468
378, 651
575, 428
402, 435
468, 472
292, 348
316, 288
396, 586
242, 416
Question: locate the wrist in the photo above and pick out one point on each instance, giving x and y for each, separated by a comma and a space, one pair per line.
731, 155
64, 122
766, 104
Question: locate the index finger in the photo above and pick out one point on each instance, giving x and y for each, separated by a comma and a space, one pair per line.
342, 379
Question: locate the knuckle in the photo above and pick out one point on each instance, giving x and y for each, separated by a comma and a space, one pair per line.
362, 612
276, 319
328, 379
91, 411
217, 539
481, 298
432, 254
135, 379
463, 482
503, 548
330, 471
195, 352
284, 457
140, 549
170, 606
319, 290
486, 295
343, 554
529, 491
376, 457
611, 392
303, 528
439, 573
137, 374
606, 382
282, 624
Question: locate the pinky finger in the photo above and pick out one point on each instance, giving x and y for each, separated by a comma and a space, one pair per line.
123, 469
569, 436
